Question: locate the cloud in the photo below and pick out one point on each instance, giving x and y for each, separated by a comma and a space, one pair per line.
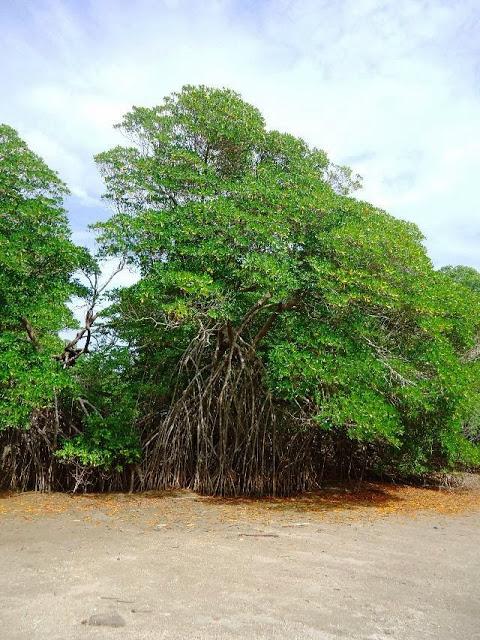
390, 88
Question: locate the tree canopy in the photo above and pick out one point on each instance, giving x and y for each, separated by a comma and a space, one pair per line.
245, 233
37, 261
280, 326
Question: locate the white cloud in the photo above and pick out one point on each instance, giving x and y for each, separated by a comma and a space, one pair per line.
390, 88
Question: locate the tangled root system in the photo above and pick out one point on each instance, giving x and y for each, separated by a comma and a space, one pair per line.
224, 434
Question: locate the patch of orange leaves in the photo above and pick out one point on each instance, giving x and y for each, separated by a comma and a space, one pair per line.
188, 509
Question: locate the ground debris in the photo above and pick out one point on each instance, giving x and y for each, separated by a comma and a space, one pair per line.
105, 620
163, 510
259, 535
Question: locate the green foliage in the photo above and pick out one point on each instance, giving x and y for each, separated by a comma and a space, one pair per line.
37, 260
463, 281
246, 238
232, 224
107, 398
466, 276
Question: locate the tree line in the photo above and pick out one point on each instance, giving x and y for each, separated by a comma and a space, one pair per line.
282, 332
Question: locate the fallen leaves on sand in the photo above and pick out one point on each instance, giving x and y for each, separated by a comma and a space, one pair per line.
186, 509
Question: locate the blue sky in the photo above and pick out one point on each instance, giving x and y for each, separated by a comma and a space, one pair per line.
390, 87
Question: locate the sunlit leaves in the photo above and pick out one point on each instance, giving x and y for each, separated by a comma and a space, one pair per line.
220, 215
37, 260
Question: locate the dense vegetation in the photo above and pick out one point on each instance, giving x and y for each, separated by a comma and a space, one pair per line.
281, 330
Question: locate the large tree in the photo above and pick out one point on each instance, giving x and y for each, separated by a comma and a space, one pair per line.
37, 263
286, 306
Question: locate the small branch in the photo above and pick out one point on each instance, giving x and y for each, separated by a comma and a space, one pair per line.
261, 303
381, 353
31, 333
281, 306
84, 404
71, 352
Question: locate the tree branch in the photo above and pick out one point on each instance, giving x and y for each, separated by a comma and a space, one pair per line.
281, 306
71, 352
31, 333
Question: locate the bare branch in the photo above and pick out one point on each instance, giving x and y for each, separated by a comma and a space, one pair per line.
31, 333
71, 352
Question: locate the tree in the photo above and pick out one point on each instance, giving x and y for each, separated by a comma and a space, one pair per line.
465, 280
466, 276
296, 317
37, 262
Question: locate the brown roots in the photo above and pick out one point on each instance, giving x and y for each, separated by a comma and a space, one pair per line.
28, 461
224, 434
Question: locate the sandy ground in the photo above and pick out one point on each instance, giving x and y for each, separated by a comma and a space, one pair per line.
385, 563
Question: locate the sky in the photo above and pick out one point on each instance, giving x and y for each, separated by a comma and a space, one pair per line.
389, 87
